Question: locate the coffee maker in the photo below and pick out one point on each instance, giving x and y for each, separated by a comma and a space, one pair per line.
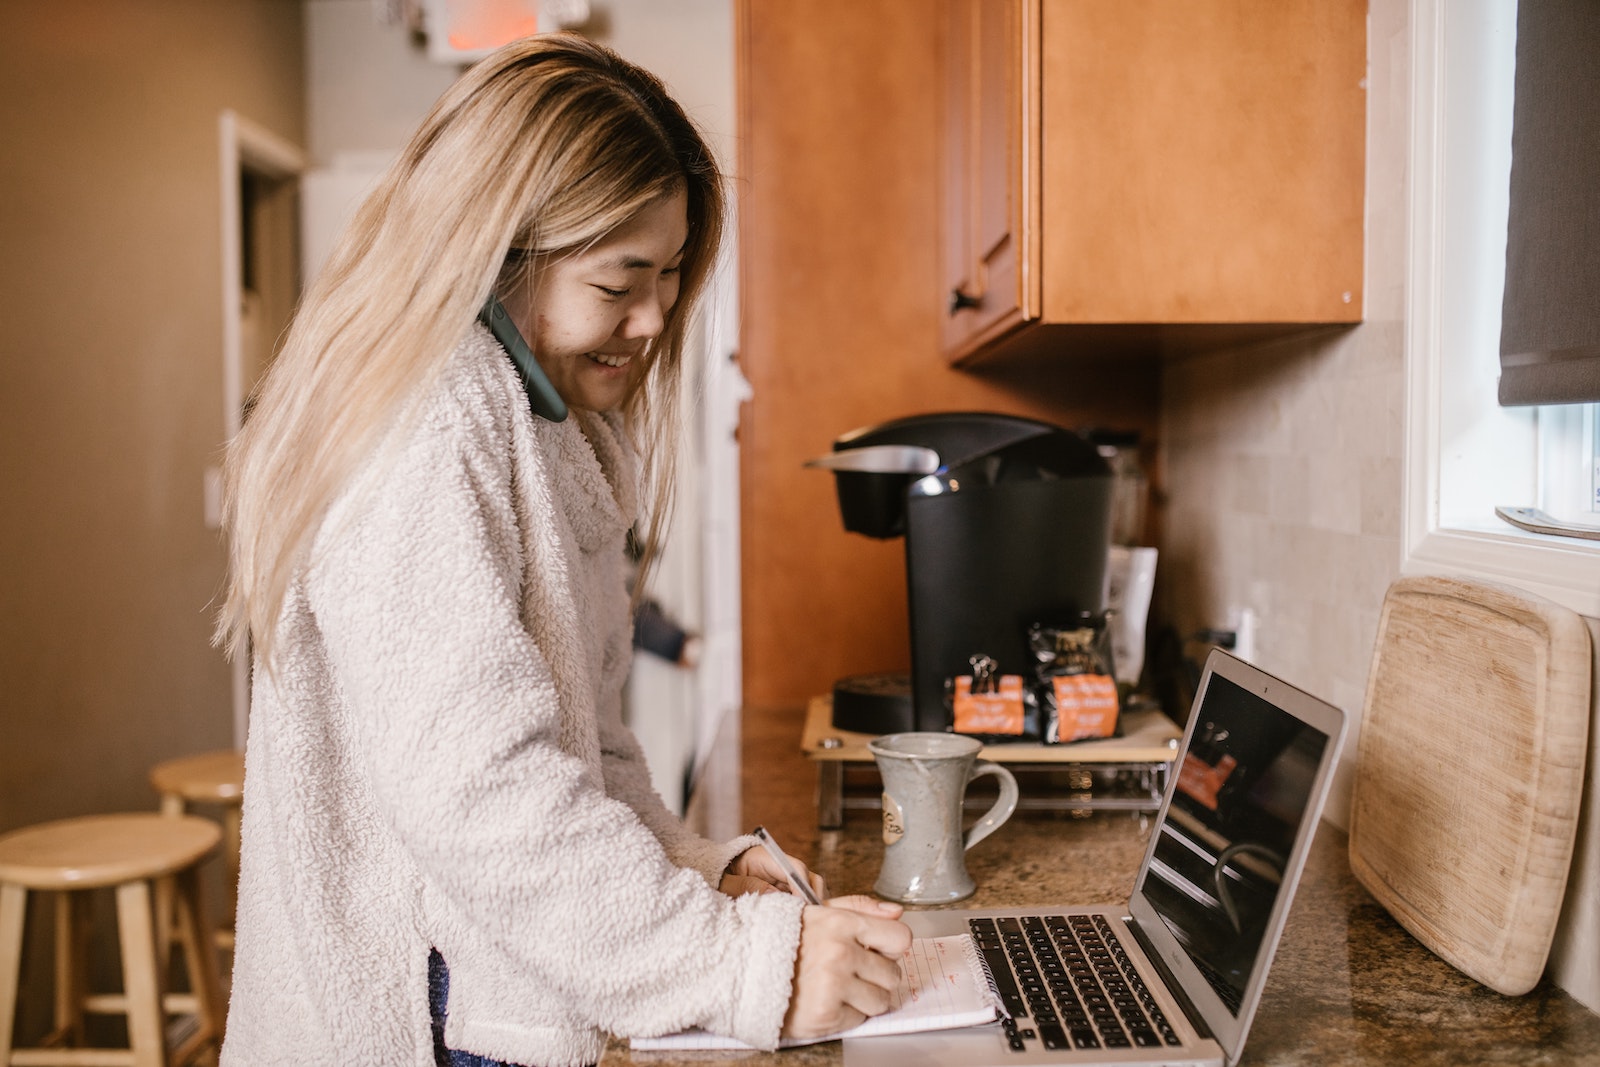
1006, 523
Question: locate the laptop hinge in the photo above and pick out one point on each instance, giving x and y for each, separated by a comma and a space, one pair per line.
1168, 979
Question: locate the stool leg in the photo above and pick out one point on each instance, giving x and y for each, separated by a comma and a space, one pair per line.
71, 971
163, 896
13, 910
172, 805
230, 852
141, 980
200, 958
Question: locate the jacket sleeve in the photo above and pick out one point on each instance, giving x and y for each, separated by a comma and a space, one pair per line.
627, 778
415, 586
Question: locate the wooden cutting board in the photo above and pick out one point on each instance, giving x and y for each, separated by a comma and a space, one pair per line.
1470, 771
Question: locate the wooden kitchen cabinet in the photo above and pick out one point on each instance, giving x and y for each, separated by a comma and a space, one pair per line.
1171, 173
839, 248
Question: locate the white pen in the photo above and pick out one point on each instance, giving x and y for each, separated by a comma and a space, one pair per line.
796, 883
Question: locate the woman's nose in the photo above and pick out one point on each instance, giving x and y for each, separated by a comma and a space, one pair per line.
647, 317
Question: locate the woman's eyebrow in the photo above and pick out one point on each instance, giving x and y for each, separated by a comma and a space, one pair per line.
630, 261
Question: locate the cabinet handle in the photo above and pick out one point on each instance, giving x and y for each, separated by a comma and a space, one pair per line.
960, 300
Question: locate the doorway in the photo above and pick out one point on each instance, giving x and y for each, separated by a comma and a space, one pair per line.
260, 175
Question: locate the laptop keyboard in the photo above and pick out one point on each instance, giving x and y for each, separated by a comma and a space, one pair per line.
1067, 981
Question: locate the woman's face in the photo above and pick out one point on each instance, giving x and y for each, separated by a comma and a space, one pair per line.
593, 312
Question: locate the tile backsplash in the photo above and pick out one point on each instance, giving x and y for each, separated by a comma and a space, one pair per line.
1281, 491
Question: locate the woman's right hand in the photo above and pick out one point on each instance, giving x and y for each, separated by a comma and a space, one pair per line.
847, 966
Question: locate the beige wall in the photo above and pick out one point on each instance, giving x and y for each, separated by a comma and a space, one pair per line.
111, 380
368, 83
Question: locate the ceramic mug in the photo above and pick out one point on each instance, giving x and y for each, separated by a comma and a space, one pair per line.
925, 778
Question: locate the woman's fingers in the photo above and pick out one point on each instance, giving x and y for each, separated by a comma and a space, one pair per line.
859, 902
737, 885
877, 928
886, 936
845, 1017
847, 966
880, 970
869, 992
868, 998
756, 863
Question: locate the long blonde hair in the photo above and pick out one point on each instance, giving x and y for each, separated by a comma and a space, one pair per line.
544, 146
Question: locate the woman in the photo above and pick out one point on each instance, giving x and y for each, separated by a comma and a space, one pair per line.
441, 796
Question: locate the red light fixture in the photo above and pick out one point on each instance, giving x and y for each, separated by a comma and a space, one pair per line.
463, 31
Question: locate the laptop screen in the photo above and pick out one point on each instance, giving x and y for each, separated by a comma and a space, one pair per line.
1242, 794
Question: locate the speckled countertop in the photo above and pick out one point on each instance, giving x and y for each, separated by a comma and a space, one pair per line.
1349, 986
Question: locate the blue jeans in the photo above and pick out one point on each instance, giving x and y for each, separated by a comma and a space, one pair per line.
438, 996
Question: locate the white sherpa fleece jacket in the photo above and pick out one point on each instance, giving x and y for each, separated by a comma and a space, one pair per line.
441, 762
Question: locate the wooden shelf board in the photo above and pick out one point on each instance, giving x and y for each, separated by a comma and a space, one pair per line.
1150, 737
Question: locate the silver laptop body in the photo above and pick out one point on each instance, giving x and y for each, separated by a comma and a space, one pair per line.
1209, 902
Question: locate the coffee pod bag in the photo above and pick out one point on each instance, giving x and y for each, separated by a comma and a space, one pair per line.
1075, 685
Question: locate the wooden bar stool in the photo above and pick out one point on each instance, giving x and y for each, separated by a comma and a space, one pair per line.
213, 778
129, 853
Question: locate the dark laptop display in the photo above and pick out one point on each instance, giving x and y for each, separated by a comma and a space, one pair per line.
1240, 801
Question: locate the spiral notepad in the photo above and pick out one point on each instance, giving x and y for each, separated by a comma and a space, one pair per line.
942, 986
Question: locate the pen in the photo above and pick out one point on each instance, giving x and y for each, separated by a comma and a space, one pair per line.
795, 881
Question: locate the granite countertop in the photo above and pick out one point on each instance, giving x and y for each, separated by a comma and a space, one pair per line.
1349, 986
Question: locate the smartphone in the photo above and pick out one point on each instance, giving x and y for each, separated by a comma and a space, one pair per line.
542, 395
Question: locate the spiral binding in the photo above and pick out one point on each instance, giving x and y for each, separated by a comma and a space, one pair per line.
971, 946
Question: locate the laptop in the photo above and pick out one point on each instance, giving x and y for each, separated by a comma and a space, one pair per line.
1174, 976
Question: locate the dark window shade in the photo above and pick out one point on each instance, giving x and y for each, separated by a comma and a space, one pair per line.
1550, 325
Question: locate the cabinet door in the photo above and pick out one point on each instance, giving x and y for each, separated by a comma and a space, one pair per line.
987, 115
1202, 162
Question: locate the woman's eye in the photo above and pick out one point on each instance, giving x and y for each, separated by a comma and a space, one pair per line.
615, 294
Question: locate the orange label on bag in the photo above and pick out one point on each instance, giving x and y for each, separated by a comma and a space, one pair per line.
1086, 706
989, 713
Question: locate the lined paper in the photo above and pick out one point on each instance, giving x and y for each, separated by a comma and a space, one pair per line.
942, 986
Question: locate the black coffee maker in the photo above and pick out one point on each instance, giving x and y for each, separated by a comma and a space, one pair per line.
1007, 522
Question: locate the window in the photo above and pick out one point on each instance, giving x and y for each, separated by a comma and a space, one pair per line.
1466, 454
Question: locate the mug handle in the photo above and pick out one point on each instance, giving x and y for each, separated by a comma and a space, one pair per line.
996, 816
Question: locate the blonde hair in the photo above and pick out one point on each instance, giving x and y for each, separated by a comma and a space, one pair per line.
543, 147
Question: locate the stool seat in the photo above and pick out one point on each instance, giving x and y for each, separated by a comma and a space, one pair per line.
140, 855
104, 850
210, 777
